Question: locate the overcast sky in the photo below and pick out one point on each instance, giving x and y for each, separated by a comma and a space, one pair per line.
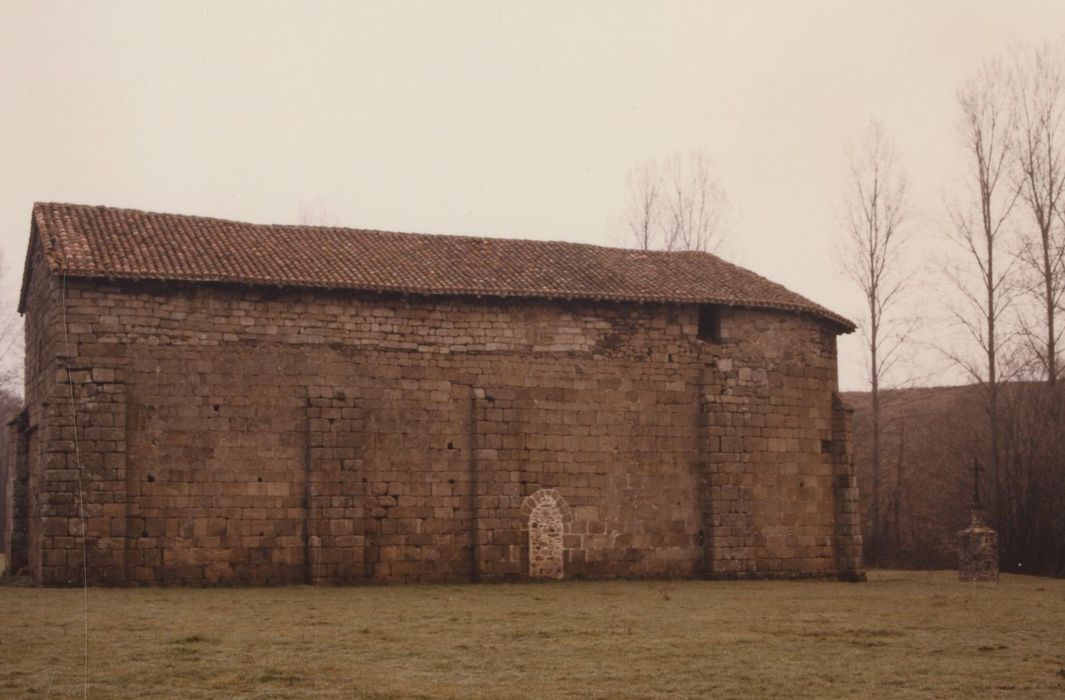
494, 118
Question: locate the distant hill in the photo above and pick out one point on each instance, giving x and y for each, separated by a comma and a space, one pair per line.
926, 484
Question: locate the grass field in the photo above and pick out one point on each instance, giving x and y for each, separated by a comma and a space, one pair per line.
902, 634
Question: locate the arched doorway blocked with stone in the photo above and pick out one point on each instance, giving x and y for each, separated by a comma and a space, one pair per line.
546, 515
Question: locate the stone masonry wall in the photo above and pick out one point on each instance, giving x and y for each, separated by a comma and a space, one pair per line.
229, 435
16, 492
40, 489
777, 462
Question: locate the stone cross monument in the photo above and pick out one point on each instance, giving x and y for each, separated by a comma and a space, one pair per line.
978, 543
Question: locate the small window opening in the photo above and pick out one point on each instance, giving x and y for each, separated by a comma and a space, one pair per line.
710, 323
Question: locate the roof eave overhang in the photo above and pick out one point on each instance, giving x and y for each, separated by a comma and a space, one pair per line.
838, 324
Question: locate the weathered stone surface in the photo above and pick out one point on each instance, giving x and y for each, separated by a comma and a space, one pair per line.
546, 514
978, 553
216, 434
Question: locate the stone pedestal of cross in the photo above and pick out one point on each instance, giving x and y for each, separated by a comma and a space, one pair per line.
977, 552
978, 543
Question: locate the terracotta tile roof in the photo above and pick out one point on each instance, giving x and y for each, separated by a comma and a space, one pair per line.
92, 241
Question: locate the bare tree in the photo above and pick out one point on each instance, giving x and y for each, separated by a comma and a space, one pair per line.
11, 372
932, 499
316, 213
1038, 103
1031, 516
643, 206
875, 207
12, 353
978, 225
678, 203
697, 205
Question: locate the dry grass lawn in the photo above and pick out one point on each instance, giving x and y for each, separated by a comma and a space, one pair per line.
903, 634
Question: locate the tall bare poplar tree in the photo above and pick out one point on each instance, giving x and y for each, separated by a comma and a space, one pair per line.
979, 226
676, 204
875, 207
1038, 103
1032, 528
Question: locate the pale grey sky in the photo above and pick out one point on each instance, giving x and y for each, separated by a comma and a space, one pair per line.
488, 118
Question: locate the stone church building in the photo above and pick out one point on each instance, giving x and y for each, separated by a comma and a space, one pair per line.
214, 402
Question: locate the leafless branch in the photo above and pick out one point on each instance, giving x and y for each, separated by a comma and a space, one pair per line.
875, 236
677, 204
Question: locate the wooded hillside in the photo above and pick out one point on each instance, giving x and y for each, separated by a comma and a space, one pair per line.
932, 440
